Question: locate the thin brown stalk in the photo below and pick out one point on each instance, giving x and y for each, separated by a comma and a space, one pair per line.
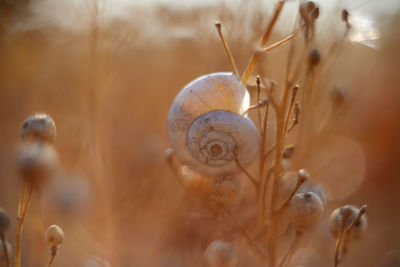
226, 48
256, 57
281, 42
52, 257
251, 178
243, 230
17, 262
5, 250
288, 257
299, 183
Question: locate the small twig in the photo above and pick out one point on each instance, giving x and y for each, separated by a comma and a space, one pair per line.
342, 235
286, 260
299, 183
244, 232
259, 105
5, 250
53, 255
17, 262
226, 47
251, 178
256, 57
281, 42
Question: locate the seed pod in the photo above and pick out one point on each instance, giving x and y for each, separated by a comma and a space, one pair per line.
54, 236
288, 151
309, 11
39, 127
3, 255
37, 162
5, 222
303, 175
314, 57
342, 218
220, 254
306, 209
226, 191
314, 188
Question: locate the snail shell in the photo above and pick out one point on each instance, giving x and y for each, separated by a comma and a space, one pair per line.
206, 128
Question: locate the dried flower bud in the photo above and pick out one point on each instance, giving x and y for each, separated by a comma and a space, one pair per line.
5, 222
3, 255
39, 127
54, 236
314, 57
306, 209
345, 15
314, 188
309, 11
303, 175
288, 151
226, 191
338, 96
220, 254
342, 218
37, 162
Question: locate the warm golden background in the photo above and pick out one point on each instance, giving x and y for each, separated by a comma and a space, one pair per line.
108, 74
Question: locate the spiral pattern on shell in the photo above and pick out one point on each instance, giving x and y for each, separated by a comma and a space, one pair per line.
206, 127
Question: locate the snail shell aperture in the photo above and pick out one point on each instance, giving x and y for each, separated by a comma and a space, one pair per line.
206, 128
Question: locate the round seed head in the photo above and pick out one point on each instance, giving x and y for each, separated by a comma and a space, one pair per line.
306, 209
303, 175
288, 151
220, 254
226, 191
37, 162
345, 15
54, 236
314, 57
3, 255
314, 188
342, 218
39, 127
309, 11
5, 222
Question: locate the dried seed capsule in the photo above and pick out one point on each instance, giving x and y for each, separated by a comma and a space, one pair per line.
3, 255
288, 151
314, 57
345, 15
309, 11
37, 162
220, 254
5, 222
303, 175
39, 127
314, 188
54, 236
226, 191
306, 209
343, 217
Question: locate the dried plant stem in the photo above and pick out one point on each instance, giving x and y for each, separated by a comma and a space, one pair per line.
288, 257
24, 202
256, 57
340, 242
280, 138
51, 260
289, 113
243, 230
251, 178
5, 250
281, 42
226, 48
299, 183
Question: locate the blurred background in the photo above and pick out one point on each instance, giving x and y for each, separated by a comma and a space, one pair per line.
108, 71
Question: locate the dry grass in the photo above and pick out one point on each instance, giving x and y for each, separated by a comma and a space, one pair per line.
109, 86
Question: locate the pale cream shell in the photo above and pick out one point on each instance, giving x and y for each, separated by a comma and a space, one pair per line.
221, 91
